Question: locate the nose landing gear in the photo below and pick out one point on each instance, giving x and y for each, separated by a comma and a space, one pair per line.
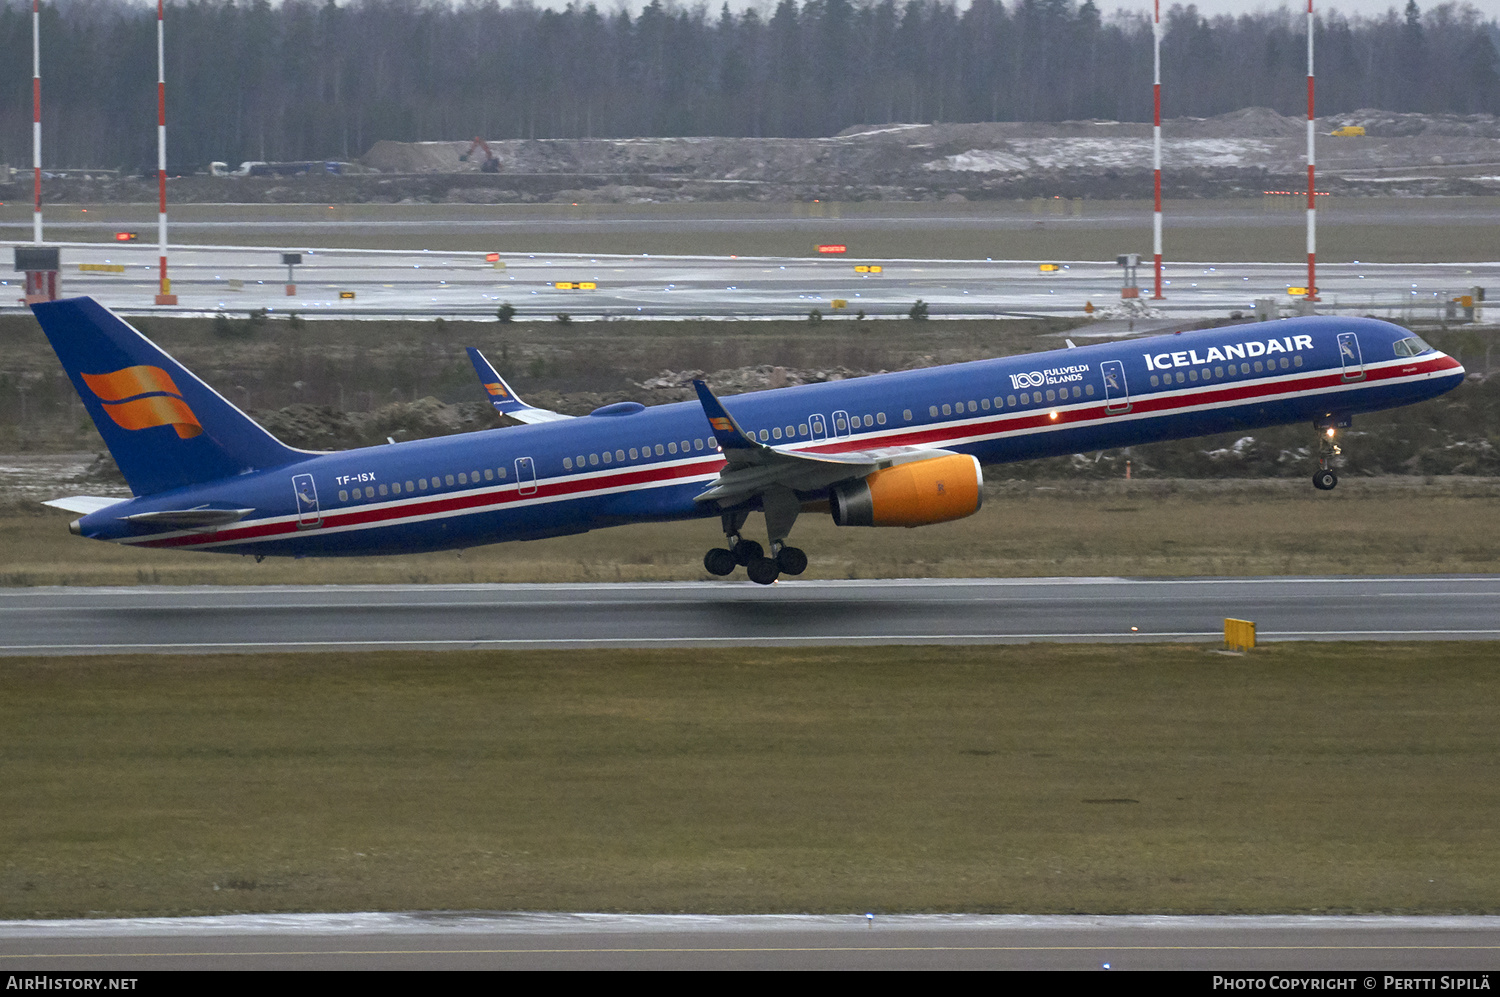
1324, 480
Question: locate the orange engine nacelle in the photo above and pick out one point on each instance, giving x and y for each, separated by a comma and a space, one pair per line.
923, 492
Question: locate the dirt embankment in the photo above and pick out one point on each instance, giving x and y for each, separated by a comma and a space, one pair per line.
1238, 154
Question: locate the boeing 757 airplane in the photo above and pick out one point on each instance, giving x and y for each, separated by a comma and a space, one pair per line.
901, 449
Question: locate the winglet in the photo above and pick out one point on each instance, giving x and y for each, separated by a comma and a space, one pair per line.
504, 398
726, 430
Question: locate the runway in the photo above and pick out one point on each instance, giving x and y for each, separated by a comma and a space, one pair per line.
394, 283
1429, 945
718, 614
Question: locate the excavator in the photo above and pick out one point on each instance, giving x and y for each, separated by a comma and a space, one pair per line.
490, 164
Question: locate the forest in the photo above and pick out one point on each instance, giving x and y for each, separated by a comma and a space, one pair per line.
301, 79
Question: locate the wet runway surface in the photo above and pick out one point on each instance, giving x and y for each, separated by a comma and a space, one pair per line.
381, 283
601, 941
713, 614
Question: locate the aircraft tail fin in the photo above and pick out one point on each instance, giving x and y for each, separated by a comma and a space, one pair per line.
164, 427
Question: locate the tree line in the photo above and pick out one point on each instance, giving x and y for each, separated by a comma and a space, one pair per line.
322, 80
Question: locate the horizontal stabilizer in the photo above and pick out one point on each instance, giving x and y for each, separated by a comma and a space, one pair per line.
84, 504
503, 398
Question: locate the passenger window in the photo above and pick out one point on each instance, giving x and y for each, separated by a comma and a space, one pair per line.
984, 403
1010, 400
567, 463
1257, 367
449, 479
384, 490
369, 492
1285, 363
869, 421
593, 460
1192, 375
932, 410
973, 407
698, 444
619, 455
1245, 368
906, 414
776, 433
1025, 398
396, 488
500, 471
1155, 380
422, 484
1297, 360
1088, 389
1051, 395
880, 418
659, 450
947, 410
1077, 391
409, 487
685, 442
489, 475
1181, 377
607, 457
635, 453
343, 494
1218, 372
462, 478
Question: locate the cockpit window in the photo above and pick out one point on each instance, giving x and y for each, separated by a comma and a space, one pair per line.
1411, 346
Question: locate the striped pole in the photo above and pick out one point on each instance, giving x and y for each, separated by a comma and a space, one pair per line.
165, 295
1156, 140
1312, 209
36, 122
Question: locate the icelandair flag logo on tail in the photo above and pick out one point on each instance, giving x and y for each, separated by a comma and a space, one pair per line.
496, 390
141, 397
722, 424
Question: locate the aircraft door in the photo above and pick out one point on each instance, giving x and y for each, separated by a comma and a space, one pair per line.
526, 475
1349, 356
1116, 390
816, 427
308, 513
841, 424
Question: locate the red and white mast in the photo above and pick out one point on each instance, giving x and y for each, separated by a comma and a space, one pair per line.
36, 122
1312, 209
165, 295
1156, 142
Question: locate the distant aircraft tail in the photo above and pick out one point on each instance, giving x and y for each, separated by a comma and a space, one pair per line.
164, 426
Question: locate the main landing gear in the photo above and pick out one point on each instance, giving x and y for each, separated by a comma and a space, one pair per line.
781, 512
1324, 480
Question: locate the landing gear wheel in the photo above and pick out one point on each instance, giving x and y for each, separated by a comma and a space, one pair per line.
791, 561
747, 551
719, 562
762, 570
1325, 481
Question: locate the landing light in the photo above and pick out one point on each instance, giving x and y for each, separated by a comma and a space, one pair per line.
1054, 415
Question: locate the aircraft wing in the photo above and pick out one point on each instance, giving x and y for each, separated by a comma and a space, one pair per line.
752, 467
504, 399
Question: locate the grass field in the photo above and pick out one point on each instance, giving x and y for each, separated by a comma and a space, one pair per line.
1162, 528
1311, 778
